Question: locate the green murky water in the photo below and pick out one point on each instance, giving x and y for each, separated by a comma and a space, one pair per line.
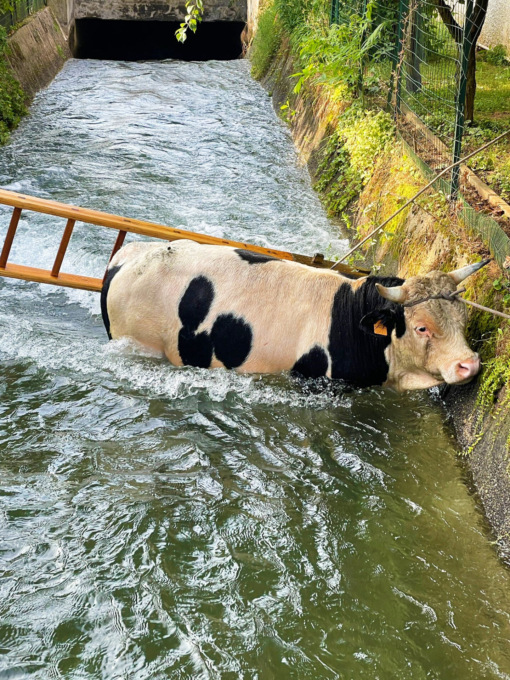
179, 523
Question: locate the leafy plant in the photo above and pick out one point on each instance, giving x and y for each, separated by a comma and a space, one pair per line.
194, 15
286, 112
503, 286
12, 97
348, 159
496, 56
266, 41
333, 54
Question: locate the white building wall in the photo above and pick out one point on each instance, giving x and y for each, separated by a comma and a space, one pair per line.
496, 30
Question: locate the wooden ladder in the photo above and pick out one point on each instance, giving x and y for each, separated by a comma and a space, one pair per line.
123, 225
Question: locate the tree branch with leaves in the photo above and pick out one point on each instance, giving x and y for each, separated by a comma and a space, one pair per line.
194, 15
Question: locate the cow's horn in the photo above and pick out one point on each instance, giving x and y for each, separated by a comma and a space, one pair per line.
460, 274
393, 293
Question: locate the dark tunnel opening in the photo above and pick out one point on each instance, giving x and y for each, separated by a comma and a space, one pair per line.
142, 40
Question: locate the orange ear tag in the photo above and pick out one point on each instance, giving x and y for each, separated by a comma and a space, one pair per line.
380, 328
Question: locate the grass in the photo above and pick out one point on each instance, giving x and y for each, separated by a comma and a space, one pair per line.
492, 116
493, 92
266, 41
435, 106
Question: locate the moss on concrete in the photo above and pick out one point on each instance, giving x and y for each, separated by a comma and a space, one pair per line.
38, 50
12, 100
424, 237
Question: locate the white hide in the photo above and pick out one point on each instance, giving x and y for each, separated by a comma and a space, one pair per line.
287, 305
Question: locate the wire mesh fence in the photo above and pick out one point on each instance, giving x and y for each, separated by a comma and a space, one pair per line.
428, 85
21, 9
426, 53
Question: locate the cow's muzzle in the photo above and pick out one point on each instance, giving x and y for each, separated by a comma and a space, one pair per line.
464, 370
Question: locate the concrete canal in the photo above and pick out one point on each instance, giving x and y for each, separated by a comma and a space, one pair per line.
179, 523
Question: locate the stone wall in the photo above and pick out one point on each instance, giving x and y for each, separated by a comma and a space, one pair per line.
157, 10
38, 50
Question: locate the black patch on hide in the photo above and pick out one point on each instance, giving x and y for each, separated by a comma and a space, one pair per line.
254, 258
356, 356
196, 303
104, 297
232, 339
195, 349
313, 364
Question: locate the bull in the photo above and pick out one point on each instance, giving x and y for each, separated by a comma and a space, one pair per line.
215, 306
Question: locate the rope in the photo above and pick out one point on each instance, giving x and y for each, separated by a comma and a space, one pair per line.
451, 297
485, 309
411, 200
446, 295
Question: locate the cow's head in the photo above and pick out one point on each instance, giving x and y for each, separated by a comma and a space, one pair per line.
433, 347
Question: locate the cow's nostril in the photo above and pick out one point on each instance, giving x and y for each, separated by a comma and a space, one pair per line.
468, 367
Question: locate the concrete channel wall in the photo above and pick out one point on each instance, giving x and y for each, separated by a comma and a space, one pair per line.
42, 45
38, 50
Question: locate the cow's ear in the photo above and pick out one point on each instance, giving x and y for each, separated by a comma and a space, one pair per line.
379, 323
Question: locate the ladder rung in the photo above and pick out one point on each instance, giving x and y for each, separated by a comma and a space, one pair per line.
63, 247
9, 237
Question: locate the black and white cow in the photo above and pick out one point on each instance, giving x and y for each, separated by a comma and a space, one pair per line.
212, 306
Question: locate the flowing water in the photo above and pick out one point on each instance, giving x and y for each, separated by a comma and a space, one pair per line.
179, 523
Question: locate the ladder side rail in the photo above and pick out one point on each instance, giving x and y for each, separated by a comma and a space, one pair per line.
121, 237
18, 271
154, 230
130, 225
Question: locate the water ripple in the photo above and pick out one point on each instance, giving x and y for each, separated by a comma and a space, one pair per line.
159, 522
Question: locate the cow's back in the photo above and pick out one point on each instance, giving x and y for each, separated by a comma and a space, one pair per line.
213, 306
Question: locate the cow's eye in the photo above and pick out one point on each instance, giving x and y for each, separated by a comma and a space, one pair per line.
421, 330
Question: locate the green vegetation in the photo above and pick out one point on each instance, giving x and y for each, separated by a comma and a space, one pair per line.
357, 148
348, 159
497, 56
12, 97
194, 15
266, 41
327, 60
492, 117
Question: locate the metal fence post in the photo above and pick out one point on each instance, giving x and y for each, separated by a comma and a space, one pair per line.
364, 17
399, 61
395, 53
460, 104
333, 19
